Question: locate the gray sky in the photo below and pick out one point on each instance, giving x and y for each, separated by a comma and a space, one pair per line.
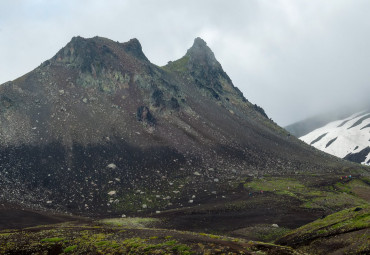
294, 58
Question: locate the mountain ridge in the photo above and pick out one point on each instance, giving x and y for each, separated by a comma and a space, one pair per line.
99, 130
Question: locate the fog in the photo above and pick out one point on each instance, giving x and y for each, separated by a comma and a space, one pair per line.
294, 58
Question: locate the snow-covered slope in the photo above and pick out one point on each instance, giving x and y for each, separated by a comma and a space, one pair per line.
347, 138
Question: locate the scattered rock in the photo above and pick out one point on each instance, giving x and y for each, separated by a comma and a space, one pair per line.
144, 206
191, 201
275, 225
197, 173
143, 114
111, 193
84, 100
112, 166
123, 216
215, 179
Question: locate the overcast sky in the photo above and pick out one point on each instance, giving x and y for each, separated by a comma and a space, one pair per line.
294, 58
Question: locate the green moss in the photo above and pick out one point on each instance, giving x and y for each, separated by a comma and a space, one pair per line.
130, 222
181, 248
179, 65
170, 242
333, 200
275, 184
74, 238
342, 221
102, 243
52, 239
335, 197
211, 236
70, 249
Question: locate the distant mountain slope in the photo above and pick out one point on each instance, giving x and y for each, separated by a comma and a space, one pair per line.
304, 127
347, 138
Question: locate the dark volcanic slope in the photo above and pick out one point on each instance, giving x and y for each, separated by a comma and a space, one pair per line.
98, 129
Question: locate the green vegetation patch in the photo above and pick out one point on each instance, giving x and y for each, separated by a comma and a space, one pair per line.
179, 65
332, 197
333, 201
347, 231
70, 249
75, 238
52, 239
130, 222
356, 187
285, 186
345, 220
262, 232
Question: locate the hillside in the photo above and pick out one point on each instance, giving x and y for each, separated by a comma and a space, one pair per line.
345, 232
126, 236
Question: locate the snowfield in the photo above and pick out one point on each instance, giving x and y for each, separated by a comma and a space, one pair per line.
343, 137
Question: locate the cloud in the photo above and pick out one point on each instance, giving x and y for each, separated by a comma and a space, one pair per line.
295, 58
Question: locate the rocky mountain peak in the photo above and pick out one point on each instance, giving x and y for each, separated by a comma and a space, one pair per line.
133, 47
201, 53
91, 54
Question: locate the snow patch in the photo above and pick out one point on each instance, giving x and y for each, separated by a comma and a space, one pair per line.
342, 136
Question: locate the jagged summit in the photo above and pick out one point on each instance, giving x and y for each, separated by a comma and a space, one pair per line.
134, 48
97, 53
199, 46
200, 53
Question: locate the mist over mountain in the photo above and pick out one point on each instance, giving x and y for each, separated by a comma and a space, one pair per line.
305, 126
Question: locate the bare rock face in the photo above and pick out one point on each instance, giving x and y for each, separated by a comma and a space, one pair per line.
99, 130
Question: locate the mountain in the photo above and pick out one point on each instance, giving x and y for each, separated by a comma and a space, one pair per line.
100, 130
347, 137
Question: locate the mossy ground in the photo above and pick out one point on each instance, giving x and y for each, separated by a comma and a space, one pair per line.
341, 193
130, 222
345, 232
262, 232
179, 65
119, 237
